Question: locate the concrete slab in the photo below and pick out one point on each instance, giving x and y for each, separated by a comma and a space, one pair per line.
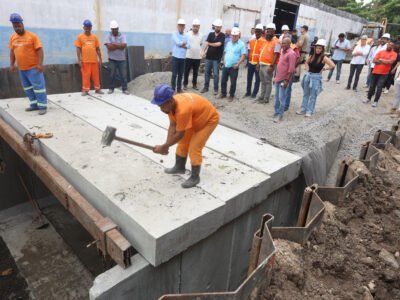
128, 184
234, 144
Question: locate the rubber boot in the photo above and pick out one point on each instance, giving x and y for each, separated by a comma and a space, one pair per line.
179, 167
194, 178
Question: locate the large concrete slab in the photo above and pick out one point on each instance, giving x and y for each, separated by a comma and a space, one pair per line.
232, 143
128, 183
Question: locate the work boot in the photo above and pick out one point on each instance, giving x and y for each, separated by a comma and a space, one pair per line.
100, 92
204, 90
195, 87
126, 92
42, 112
194, 178
31, 108
85, 94
110, 91
179, 167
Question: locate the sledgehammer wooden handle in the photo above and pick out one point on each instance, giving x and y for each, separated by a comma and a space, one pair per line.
134, 143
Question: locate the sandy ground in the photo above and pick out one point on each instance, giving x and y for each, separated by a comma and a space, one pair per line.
355, 253
337, 111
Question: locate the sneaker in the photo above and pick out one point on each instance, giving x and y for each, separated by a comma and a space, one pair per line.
195, 87
308, 115
221, 96
31, 108
179, 91
204, 90
215, 92
374, 104
42, 112
85, 94
253, 96
299, 112
386, 91
366, 100
231, 98
286, 109
185, 87
125, 92
327, 80
100, 92
337, 81
355, 90
347, 87
366, 86
110, 91
246, 95
277, 119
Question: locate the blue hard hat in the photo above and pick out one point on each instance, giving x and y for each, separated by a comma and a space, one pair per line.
15, 18
87, 23
162, 93
236, 24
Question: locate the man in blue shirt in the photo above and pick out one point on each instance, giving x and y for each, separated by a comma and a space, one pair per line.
341, 47
181, 44
235, 54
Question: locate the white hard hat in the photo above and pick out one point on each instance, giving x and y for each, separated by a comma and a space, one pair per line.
271, 26
113, 24
364, 37
285, 27
386, 35
235, 31
181, 22
196, 22
260, 26
321, 42
217, 22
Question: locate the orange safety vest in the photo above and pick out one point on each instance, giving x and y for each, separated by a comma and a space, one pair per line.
255, 48
267, 52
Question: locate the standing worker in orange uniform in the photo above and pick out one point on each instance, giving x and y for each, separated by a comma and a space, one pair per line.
192, 120
255, 48
88, 49
26, 49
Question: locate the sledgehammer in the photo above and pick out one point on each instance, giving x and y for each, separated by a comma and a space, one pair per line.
110, 134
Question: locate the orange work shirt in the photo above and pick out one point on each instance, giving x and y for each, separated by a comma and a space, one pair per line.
193, 112
268, 50
88, 45
255, 49
381, 68
25, 49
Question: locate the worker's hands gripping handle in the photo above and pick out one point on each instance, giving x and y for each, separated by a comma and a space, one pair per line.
161, 149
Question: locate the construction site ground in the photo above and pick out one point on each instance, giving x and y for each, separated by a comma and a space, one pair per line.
346, 259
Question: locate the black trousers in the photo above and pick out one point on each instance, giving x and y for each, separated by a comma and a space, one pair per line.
377, 83
233, 75
357, 70
189, 65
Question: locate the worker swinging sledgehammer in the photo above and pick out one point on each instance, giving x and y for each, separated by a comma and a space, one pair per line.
192, 120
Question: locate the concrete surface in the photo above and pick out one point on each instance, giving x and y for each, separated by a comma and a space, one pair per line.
128, 184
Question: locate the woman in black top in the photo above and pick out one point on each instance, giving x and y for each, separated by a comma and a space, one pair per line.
312, 80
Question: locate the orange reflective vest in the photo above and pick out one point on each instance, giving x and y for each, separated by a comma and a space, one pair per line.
267, 52
255, 48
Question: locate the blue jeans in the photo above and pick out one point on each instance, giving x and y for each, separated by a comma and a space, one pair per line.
178, 66
118, 68
280, 98
35, 87
251, 70
312, 86
289, 93
233, 75
338, 64
214, 65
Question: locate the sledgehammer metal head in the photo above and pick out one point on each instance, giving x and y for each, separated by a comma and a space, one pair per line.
108, 136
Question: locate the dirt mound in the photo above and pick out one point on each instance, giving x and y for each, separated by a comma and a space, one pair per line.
355, 252
143, 86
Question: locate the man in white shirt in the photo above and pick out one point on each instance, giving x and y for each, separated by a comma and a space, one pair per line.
357, 63
341, 46
193, 55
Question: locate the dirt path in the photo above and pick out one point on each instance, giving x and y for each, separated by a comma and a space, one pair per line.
355, 253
